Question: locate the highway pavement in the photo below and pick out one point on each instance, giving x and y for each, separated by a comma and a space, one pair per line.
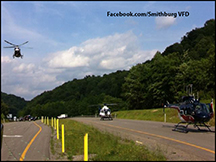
194, 145
30, 141
26, 141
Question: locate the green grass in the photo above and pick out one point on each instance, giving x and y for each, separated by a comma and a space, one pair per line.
154, 115
104, 145
149, 114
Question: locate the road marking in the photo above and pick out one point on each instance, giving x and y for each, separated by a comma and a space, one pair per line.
28, 146
139, 142
12, 136
167, 138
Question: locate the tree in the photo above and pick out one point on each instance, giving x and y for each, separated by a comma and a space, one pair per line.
4, 108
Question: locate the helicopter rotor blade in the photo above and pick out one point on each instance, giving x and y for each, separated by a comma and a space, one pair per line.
28, 47
10, 47
23, 43
9, 43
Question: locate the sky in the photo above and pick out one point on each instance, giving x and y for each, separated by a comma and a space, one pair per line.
73, 39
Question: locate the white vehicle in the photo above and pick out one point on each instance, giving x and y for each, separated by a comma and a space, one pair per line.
105, 113
62, 116
15, 118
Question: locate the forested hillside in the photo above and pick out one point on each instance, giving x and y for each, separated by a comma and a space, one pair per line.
14, 103
76, 97
192, 61
145, 85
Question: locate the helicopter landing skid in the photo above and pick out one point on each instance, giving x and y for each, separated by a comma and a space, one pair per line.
184, 130
202, 124
106, 117
178, 127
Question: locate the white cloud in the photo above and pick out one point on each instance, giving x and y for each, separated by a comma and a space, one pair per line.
112, 52
164, 22
24, 68
25, 79
68, 59
113, 63
5, 59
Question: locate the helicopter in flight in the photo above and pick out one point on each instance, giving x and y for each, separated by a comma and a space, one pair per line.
192, 111
17, 51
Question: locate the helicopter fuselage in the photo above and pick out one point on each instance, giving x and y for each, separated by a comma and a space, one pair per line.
17, 52
192, 111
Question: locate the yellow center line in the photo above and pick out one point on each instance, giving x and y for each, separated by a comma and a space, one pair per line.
28, 146
167, 138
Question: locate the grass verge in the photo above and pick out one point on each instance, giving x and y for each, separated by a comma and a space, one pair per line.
154, 115
105, 146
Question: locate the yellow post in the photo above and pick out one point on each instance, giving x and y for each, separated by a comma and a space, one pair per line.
47, 120
55, 123
63, 147
57, 128
86, 147
52, 121
42, 119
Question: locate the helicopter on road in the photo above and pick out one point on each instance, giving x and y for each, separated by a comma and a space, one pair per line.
104, 112
17, 51
192, 111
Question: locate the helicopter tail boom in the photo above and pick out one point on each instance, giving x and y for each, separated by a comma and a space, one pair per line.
173, 106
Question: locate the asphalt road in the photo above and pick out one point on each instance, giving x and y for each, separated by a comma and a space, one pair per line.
26, 141
194, 145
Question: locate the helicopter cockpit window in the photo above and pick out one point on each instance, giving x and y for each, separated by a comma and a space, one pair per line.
198, 107
205, 108
202, 107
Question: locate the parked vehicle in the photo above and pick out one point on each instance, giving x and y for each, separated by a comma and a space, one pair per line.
62, 116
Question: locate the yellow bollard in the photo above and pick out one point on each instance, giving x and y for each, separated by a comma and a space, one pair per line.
42, 119
52, 121
63, 147
47, 120
86, 147
55, 123
57, 128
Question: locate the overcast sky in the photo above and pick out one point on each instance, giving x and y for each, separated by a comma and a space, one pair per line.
73, 39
